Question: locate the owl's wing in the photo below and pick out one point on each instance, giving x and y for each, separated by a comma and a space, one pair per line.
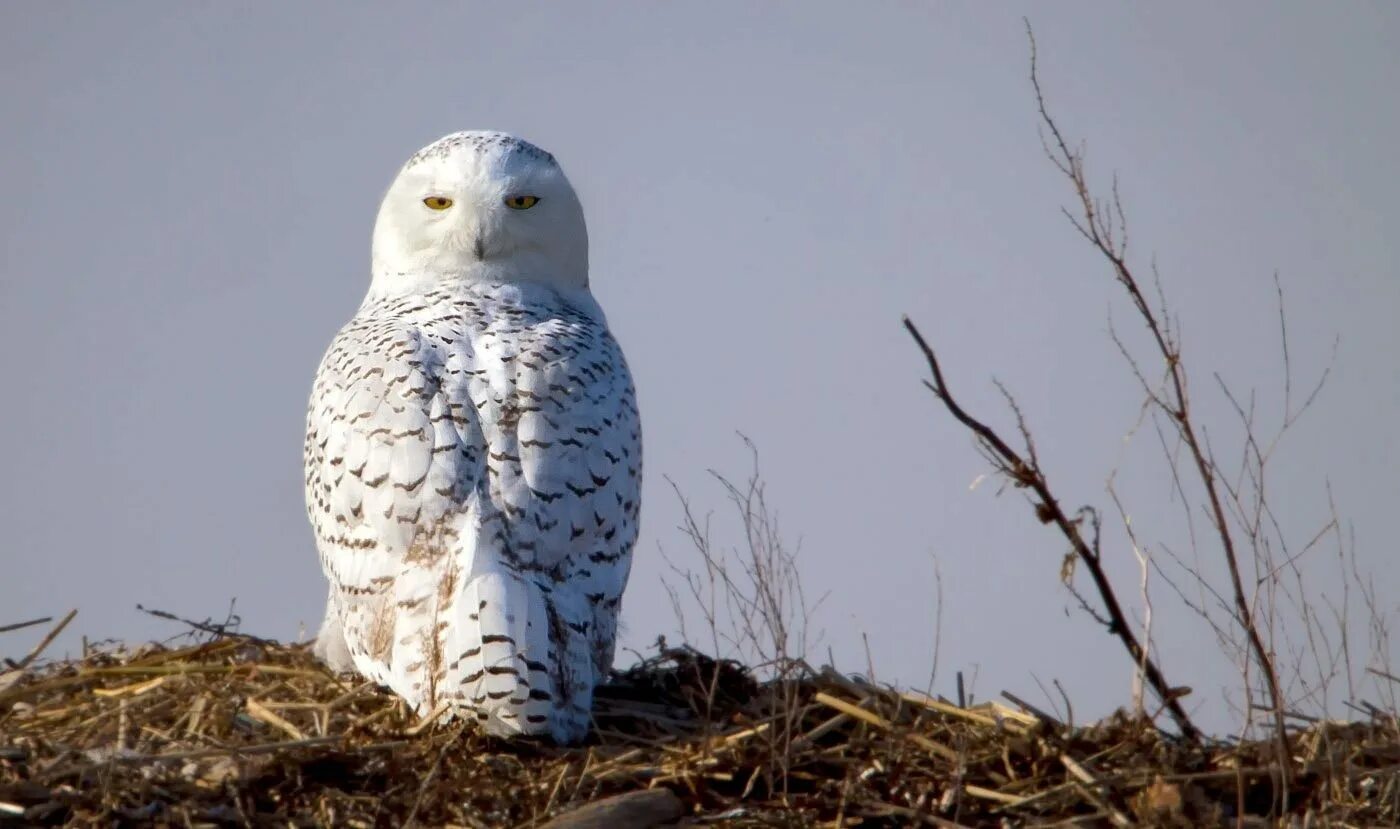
388, 453
581, 457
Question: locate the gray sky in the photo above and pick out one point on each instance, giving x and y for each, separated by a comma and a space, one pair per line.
189, 191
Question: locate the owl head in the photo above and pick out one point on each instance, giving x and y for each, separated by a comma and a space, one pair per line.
480, 206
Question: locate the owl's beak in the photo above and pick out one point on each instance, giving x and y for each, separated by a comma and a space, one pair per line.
479, 247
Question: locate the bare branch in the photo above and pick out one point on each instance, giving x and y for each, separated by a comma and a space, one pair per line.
1024, 471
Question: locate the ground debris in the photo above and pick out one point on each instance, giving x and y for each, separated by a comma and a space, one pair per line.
242, 731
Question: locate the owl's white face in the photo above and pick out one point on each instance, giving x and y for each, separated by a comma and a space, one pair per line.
480, 205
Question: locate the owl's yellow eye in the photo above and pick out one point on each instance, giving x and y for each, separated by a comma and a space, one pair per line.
438, 202
522, 202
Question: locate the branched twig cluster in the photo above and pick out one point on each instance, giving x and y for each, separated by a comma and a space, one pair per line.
1104, 226
212, 630
749, 596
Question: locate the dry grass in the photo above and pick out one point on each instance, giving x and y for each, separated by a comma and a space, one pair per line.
240, 731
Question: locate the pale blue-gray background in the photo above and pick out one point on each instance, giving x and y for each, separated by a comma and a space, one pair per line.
188, 191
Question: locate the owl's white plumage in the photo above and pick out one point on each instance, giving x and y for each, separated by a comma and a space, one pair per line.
473, 450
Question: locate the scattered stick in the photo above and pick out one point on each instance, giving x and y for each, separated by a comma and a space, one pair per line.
1040, 714
1091, 789
46, 641
23, 625
219, 630
262, 714
883, 724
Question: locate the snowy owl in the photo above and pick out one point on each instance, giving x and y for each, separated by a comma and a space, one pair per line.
473, 449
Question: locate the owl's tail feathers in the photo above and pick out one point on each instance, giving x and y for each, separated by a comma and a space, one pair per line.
500, 655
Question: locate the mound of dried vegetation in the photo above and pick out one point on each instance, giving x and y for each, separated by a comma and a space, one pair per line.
242, 731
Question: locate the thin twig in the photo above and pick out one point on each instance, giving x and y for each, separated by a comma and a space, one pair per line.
22, 625
219, 630
46, 641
